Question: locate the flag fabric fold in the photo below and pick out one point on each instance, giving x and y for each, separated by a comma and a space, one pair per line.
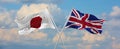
89, 22
31, 22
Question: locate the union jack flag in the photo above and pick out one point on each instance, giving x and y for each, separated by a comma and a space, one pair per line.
89, 22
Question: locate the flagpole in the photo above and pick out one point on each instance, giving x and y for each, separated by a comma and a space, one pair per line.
60, 32
67, 19
57, 31
57, 34
65, 23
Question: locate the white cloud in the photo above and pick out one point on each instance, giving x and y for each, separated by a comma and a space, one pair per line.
86, 41
116, 46
115, 43
11, 35
86, 37
30, 1
113, 23
116, 11
80, 46
63, 37
66, 38
113, 19
92, 38
9, 1
26, 10
6, 18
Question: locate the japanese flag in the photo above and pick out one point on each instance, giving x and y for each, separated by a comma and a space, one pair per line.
31, 22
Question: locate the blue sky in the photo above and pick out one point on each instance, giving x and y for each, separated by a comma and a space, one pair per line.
60, 9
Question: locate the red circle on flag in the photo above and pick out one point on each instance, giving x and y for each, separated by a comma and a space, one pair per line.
35, 22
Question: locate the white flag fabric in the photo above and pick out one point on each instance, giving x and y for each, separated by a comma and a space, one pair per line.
31, 22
